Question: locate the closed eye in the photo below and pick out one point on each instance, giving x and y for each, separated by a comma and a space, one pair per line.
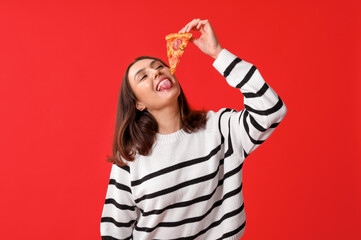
160, 67
144, 77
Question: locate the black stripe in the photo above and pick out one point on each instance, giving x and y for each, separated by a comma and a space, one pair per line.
118, 224
230, 147
256, 125
274, 125
215, 224
246, 127
181, 185
245, 154
193, 219
109, 238
196, 200
120, 186
247, 77
231, 66
240, 115
118, 205
234, 232
177, 167
257, 94
219, 123
113, 238
125, 168
269, 111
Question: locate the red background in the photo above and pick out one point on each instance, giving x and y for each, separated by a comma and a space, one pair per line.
61, 64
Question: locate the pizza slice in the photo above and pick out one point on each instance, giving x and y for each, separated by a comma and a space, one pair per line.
176, 43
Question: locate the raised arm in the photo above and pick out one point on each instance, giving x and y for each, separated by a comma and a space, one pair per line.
264, 109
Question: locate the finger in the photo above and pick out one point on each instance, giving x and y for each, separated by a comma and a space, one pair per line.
192, 24
201, 24
183, 30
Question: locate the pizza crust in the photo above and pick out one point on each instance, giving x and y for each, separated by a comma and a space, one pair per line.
178, 35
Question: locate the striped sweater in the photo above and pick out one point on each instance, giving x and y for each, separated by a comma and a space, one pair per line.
190, 186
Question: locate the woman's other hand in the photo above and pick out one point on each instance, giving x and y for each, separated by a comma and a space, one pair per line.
207, 42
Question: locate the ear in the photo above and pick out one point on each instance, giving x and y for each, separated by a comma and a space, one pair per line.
140, 106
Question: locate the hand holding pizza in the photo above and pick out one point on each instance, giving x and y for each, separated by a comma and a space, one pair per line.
207, 42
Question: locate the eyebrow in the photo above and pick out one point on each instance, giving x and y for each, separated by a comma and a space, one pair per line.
143, 69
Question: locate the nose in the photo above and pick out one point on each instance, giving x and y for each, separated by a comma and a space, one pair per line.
156, 73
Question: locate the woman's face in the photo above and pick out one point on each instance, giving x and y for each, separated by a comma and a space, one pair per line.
153, 85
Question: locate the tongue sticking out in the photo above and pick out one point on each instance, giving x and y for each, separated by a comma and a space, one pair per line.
166, 84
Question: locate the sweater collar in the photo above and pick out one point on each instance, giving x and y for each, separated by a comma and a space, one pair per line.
164, 138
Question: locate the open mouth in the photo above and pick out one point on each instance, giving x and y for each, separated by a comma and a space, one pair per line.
164, 84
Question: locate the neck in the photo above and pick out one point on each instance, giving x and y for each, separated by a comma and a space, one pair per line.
168, 119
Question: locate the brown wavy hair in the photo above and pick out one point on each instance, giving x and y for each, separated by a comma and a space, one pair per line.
135, 130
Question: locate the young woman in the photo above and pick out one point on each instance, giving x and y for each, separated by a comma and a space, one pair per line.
177, 173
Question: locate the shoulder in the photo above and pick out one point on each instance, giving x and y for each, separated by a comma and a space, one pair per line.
216, 115
216, 118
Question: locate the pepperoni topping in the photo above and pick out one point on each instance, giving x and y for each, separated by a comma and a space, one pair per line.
176, 44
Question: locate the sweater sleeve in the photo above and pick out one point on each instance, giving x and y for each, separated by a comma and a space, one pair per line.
119, 211
264, 109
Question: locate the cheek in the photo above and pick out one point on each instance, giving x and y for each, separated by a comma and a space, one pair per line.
178, 90
143, 91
